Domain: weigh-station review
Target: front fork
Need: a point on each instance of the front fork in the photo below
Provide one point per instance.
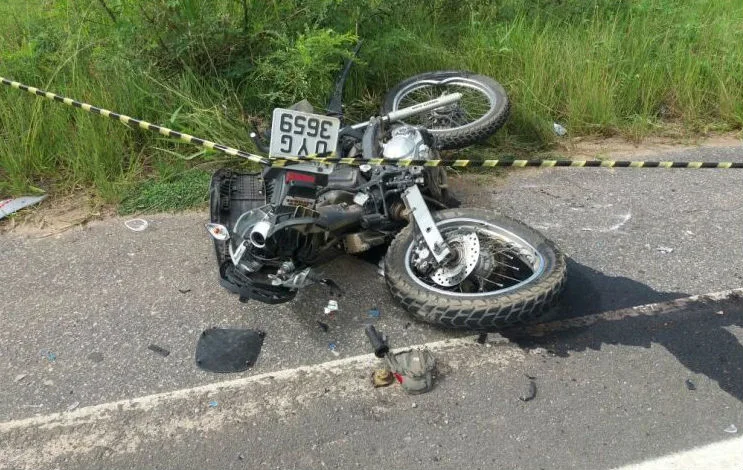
(423, 219)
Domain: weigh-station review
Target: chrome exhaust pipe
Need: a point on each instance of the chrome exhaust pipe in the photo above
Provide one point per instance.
(260, 232)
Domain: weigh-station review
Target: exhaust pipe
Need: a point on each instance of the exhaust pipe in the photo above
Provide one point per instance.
(259, 234)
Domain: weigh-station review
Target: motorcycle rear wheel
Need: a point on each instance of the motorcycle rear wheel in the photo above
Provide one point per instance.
(482, 110)
(519, 274)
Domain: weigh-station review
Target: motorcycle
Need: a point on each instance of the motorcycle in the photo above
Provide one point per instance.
(450, 266)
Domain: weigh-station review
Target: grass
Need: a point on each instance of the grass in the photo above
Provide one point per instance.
(214, 68)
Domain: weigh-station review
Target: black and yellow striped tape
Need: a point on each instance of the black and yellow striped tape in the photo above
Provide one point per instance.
(540, 163)
(135, 122)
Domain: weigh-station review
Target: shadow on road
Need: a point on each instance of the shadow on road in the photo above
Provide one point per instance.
(697, 334)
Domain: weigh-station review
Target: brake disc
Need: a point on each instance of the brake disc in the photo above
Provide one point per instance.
(467, 249)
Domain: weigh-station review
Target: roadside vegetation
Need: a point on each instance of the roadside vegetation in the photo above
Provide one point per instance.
(215, 68)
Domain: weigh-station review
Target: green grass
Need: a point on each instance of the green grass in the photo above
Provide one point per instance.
(215, 67)
(187, 190)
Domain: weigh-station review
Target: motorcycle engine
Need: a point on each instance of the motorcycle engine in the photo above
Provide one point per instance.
(407, 142)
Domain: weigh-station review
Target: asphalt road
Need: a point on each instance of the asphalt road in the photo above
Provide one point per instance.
(79, 311)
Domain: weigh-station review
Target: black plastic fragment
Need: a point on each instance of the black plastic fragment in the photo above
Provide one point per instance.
(161, 351)
(224, 350)
(482, 338)
(690, 385)
(323, 326)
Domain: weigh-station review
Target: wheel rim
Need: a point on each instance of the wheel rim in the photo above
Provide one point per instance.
(509, 251)
(477, 101)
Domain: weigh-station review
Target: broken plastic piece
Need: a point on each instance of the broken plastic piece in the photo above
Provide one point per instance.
(228, 350)
(73, 406)
(161, 351)
(10, 206)
(331, 307)
(213, 404)
(531, 393)
(690, 385)
(137, 225)
(374, 312)
(559, 129)
(665, 249)
(731, 429)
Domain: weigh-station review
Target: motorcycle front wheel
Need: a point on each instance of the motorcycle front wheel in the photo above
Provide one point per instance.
(482, 110)
(502, 272)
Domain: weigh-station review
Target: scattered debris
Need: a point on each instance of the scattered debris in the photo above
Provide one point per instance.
(665, 249)
(184, 291)
(50, 356)
(241, 457)
(19, 377)
(48, 383)
(95, 357)
(406, 326)
(690, 385)
(719, 312)
(332, 307)
(559, 129)
(161, 351)
(323, 326)
(587, 229)
(226, 350)
(482, 338)
(531, 393)
(9, 206)
(374, 312)
(382, 378)
(380, 267)
(731, 429)
(73, 406)
(213, 404)
(414, 405)
(413, 368)
(334, 349)
(530, 377)
(137, 225)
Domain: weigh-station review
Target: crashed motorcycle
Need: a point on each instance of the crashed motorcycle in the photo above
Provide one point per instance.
(447, 265)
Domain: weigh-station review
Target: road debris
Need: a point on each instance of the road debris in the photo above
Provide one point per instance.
(19, 377)
(323, 326)
(137, 225)
(732, 429)
(719, 312)
(333, 349)
(373, 312)
(49, 355)
(413, 368)
(690, 385)
(482, 338)
(382, 378)
(531, 392)
(184, 291)
(213, 404)
(559, 130)
(10, 206)
(665, 249)
(227, 350)
(161, 351)
(332, 307)
(73, 406)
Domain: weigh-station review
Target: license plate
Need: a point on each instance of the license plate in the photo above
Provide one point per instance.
(298, 134)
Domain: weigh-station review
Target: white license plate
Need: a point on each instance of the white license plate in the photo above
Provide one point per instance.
(298, 134)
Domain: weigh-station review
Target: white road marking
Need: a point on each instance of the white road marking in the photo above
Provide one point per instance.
(149, 402)
(174, 413)
(723, 455)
